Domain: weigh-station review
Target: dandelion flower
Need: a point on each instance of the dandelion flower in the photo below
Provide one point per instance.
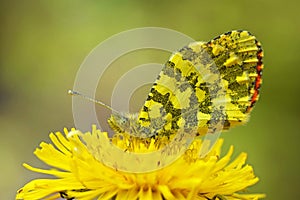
(79, 175)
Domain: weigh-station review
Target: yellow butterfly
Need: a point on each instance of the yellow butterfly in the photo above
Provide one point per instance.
(203, 87)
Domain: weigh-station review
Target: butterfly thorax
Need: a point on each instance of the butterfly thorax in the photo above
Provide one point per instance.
(128, 123)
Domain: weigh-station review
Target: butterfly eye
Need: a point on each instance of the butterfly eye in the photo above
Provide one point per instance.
(123, 120)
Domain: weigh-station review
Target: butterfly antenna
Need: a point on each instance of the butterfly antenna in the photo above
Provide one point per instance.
(75, 93)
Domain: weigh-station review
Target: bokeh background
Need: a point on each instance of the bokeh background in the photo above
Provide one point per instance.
(43, 43)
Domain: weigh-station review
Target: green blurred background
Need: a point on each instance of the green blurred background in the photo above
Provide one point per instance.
(43, 44)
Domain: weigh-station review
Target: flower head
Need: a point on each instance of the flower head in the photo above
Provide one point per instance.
(80, 175)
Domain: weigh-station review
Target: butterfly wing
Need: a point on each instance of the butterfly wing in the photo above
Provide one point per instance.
(205, 86)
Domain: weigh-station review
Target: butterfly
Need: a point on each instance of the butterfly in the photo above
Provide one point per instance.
(205, 87)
